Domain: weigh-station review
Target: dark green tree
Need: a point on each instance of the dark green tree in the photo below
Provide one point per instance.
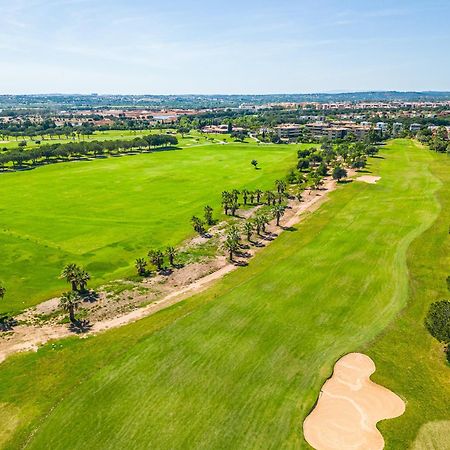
(70, 302)
(156, 258)
(171, 253)
(141, 266)
(339, 173)
(208, 215)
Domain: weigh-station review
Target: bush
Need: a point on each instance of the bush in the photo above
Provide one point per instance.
(438, 321)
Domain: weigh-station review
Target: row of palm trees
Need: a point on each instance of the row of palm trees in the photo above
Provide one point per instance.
(157, 258)
(231, 203)
(78, 279)
(256, 224)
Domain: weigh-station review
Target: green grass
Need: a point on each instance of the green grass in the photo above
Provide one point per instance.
(192, 138)
(241, 365)
(410, 361)
(103, 214)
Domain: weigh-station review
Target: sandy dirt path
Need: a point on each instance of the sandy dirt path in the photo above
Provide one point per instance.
(349, 406)
(368, 179)
(30, 337)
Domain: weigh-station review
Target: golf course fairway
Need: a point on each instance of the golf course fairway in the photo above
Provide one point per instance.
(104, 214)
(240, 366)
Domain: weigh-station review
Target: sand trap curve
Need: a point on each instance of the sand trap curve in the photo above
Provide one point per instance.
(349, 407)
(368, 179)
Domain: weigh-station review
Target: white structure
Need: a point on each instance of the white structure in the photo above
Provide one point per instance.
(397, 128)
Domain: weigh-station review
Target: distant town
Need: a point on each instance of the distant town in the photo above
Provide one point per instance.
(348, 116)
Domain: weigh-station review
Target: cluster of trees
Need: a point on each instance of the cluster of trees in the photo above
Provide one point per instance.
(157, 258)
(78, 279)
(47, 129)
(200, 225)
(438, 323)
(231, 200)
(256, 224)
(438, 141)
(319, 160)
(56, 152)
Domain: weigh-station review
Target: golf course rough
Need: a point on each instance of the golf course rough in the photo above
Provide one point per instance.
(241, 365)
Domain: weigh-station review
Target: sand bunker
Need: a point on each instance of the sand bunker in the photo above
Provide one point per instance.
(349, 407)
(368, 179)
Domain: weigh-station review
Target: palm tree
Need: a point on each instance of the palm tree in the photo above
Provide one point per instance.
(171, 253)
(248, 229)
(269, 196)
(265, 219)
(2, 291)
(245, 194)
(258, 194)
(141, 266)
(226, 201)
(280, 185)
(82, 277)
(234, 207)
(231, 245)
(70, 301)
(233, 231)
(254, 163)
(252, 197)
(259, 224)
(208, 215)
(235, 195)
(198, 225)
(70, 274)
(278, 212)
(156, 258)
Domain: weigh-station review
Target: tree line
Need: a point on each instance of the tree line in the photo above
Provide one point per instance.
(56, 152)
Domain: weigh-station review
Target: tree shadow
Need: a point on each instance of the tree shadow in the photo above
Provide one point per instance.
(258, 244)
(80, 326)
(243, 254)
(240, 263)
(290, 229)
(166, 271)
(90, 296)
(345, 181)
(7, 323)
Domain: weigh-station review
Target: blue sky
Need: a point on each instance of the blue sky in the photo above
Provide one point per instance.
(200, 46)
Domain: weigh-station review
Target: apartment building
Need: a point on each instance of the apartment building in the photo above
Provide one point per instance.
(288, 130)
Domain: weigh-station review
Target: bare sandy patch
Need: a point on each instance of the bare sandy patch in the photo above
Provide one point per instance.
(368, 179)
(349, 407)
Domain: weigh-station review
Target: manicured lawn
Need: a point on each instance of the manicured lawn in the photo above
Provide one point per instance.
(410, 361)
(241, 365)
(103, 214)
